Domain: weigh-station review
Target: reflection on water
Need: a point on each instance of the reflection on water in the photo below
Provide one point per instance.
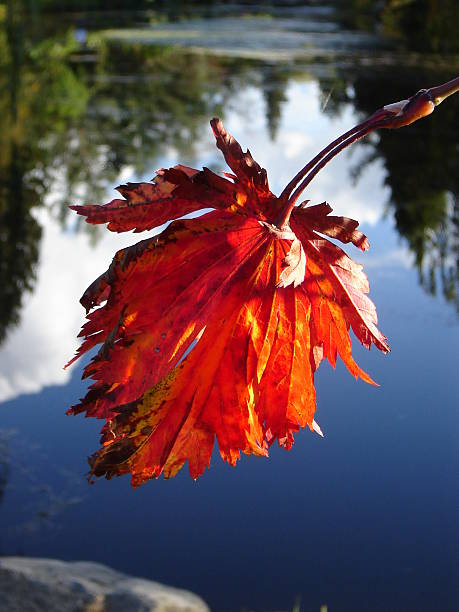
(39, 505)
(76, 111)
(421, 165)
(81, 114)
(40, 96)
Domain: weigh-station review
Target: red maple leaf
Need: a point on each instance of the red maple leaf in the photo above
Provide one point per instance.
(215, 327)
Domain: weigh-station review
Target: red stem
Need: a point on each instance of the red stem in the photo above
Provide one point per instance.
(394, 115)
(297, 178)
(327, 154)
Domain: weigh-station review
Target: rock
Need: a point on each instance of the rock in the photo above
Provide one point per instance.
(49, 585)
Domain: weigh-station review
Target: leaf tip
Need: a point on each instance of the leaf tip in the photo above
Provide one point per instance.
(216, 125)
(317, 429)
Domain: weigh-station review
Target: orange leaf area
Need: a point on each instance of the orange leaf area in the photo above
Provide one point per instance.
(213, 329)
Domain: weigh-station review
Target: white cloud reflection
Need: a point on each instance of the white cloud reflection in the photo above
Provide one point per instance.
(34, 353)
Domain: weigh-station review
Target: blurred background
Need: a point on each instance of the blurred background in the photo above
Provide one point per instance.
(95, 93)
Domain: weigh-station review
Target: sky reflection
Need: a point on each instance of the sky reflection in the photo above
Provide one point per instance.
(364, 519)
(69, 261)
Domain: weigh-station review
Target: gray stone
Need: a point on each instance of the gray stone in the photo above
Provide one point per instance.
(49, 585)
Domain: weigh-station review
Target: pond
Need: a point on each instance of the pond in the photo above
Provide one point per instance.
(363, 519)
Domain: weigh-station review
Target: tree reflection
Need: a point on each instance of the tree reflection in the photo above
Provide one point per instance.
(273, 85)
(68, 127)
(144, 100)
(417, 25)
(40, 94)
(424, 24)
(73, 117)
(421, 164)
(19, 232)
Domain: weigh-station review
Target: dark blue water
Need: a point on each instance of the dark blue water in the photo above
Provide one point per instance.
(364, 519)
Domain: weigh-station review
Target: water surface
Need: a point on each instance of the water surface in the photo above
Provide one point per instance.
(365, 518)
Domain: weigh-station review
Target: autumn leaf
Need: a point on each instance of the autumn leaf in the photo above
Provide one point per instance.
(214, 329)
(259, 305)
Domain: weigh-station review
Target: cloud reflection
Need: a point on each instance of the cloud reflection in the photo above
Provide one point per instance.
(35, 352)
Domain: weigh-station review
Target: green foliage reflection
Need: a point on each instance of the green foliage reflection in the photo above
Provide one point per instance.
(73, 115)
(421, 164)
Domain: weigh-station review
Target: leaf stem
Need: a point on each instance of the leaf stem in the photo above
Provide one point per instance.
(394, 115)
(441, 92)
(297, 178)
(322, 159)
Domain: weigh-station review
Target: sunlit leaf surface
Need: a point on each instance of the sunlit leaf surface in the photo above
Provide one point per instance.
(214, 328)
